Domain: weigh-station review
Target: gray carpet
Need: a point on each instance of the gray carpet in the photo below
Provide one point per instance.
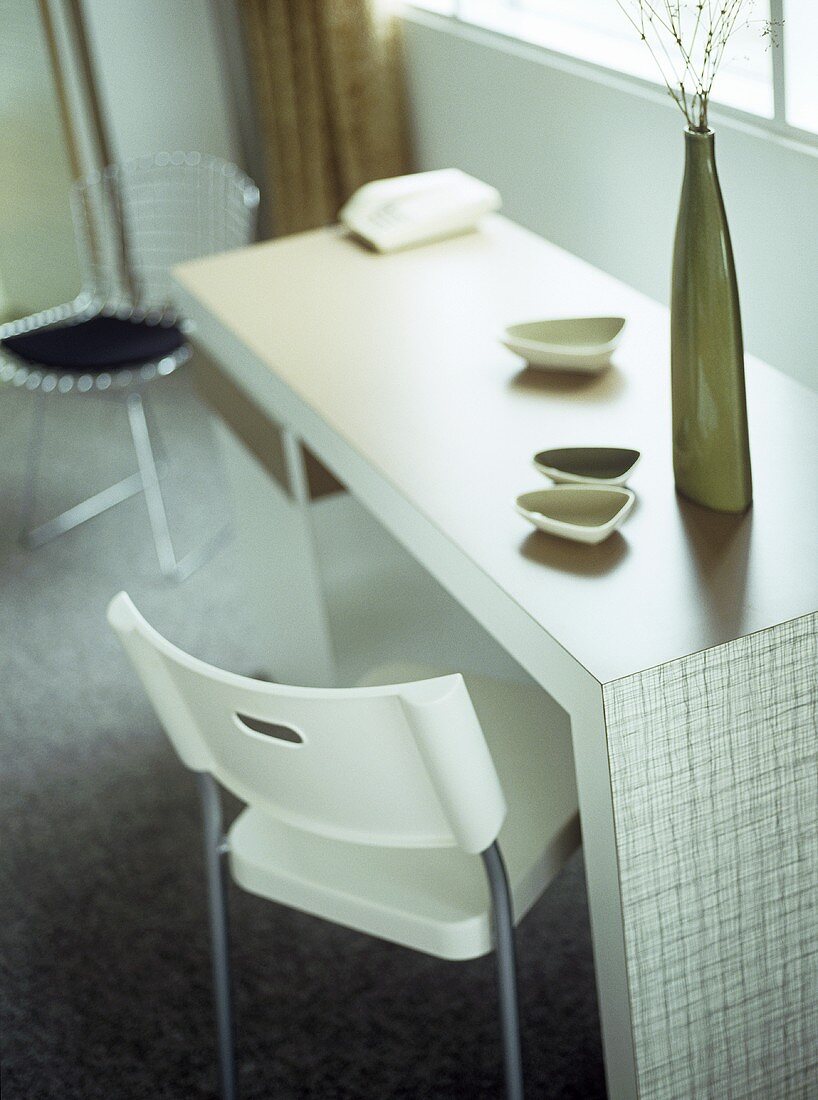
(105, 973)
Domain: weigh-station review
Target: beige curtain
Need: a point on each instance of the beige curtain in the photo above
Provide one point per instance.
(327, 80)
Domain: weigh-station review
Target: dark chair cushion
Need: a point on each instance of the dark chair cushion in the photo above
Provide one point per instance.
(99, 344)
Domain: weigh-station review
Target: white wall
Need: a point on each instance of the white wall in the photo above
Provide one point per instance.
(160, 74)
(596, 167)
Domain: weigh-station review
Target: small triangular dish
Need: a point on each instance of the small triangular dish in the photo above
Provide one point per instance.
(583, 513)
(587, 465)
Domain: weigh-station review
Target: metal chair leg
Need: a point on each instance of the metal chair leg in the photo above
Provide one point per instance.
(506, 970)
(80, 513)
(171, 566)
(157, 442)
(32, 537)
(215, 848)
(150, 482)
(35, 447)
(146, 480)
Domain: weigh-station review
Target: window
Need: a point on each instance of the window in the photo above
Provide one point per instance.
(779, 84)
(801, 68)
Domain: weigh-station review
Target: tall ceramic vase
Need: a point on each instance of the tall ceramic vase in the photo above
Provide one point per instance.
(711, 452)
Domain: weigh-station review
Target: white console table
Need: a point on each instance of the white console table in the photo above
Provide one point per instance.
(683, 648)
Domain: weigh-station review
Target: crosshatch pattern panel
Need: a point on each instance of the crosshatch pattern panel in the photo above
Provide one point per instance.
(714, 770)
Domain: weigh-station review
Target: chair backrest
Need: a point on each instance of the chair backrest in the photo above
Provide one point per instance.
(135, 220)
(404, 765)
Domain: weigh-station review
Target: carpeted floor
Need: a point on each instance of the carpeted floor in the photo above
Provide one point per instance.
(105, 971)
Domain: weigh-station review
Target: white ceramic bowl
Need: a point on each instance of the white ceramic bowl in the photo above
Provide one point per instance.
(587, 465)
(584, 513)
(566, 344)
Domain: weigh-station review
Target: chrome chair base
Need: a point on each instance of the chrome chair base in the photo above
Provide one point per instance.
(80, 513)
(146, 480)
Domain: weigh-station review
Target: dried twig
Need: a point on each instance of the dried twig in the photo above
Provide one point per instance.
(687, 39)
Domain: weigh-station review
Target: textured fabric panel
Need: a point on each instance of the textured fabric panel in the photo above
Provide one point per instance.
(714, 770)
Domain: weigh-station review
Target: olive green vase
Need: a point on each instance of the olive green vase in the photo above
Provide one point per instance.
(711, 450)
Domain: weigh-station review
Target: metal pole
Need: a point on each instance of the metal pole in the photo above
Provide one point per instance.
(215, 847)
(35, 447)
(506, 969)
(150, 481)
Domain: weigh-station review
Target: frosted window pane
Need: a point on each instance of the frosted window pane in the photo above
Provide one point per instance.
(800, 35)
(598, 31)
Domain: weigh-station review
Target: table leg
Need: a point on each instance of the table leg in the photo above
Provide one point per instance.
(588, 731)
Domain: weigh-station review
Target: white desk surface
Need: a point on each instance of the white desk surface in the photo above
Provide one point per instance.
(399, 356)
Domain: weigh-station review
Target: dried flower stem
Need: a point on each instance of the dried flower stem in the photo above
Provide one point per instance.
(687, 39)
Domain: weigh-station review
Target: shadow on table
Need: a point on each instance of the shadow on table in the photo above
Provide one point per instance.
(588, 387)
(575, 557)
(721, 551)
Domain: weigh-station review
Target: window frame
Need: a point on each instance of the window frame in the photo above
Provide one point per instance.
(775, 126)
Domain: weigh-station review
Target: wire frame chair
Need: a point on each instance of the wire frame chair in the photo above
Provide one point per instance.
(133, 222)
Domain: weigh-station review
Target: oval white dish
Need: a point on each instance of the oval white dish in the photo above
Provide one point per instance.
(588, 465)
(583, 513)
(566, 344)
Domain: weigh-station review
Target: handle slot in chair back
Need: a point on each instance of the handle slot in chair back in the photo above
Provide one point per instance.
(400, 766)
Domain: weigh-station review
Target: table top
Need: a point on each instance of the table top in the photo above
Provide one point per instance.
(400, 356)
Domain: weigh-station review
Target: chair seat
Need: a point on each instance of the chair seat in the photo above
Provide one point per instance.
(433, 900)
(98, 344)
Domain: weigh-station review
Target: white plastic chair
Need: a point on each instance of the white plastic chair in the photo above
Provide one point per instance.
(367, 805)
